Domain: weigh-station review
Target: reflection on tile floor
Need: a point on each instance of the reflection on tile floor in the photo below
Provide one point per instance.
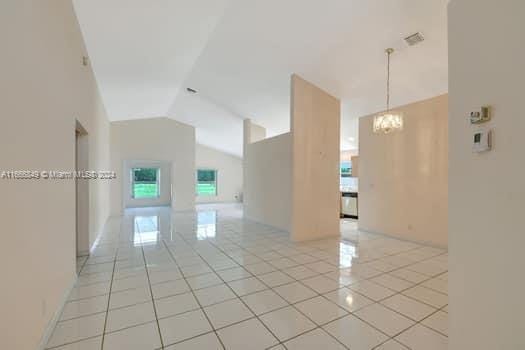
(211, 280)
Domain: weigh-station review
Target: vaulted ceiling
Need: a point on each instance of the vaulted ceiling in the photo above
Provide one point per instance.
(239, 55)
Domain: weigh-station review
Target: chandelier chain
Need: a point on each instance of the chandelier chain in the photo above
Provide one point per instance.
(389, 52)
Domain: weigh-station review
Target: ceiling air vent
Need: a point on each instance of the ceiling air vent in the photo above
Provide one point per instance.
(414, 39)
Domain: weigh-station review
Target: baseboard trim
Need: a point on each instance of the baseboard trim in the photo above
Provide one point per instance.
(56, 317)
(420, 242)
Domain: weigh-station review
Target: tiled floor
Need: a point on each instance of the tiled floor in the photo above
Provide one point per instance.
(211, 280)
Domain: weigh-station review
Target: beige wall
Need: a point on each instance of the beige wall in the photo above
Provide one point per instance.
(268, 174)
(229, 174)
(44, 88)
(160, 140)
(403, 182)
(315, 125)
(487, 192)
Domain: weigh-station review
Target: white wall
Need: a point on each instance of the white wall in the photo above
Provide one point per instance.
(229, 174)
(160, 140)
(315, 124)
(268, 175)
(403, 176)
(44, 88)
(486, 191)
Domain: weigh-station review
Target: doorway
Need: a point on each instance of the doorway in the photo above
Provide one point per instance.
(81, 196)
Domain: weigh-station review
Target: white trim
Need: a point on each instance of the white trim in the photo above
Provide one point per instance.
(56, 317)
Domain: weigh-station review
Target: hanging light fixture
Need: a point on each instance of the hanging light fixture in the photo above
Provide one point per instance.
(388, 121)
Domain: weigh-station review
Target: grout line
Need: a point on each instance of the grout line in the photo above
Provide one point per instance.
(201, 308)
(109, 299)
(151, 294)
(238, 297)
(233, 240)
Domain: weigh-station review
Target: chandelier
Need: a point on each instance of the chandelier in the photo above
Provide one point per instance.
(388, 121)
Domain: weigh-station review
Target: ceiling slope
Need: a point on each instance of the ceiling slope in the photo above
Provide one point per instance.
(240, 54)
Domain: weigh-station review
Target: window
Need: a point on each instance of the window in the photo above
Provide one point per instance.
(346, 169)
(206, 182)
(144, 183)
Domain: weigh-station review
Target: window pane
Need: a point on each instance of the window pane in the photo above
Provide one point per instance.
(145, 182)
(206, 182)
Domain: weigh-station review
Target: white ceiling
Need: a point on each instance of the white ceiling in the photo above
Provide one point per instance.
(239, 55)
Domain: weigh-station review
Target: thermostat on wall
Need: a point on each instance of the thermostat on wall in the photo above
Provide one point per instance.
(482, 141)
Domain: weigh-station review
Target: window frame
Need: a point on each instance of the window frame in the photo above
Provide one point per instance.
(216, 171)
(132, 182)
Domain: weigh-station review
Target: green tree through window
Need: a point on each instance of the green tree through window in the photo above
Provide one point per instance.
(206, 182)
(145, 182)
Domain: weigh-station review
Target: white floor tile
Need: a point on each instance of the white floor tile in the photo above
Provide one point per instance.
(274, 279)
(259, 268)
(427, 296)
(283, 263)
(321, 267)
(372, 290)
(195, 270)
(314, 340)
(184, 326)
(392, 282)
(87, 344)
(409, 275)
(143, 337)
(438, 322)
(344, 277)
(392, 345)
(84, 307)
(321, 284)
(175, 305)
(77, 329)
(213, 295)
(187, 267)
(320, 310)
(129, 283)
(386, 320)
(348, 299)
(227, 313)
(286, 323)
(247, 286)
(94, 278)
(294, 292)
(300, 272)
(428, 268)
(129, 316)
(170, 288)
(422, 338)
(250, 334)
(204, 342)
(264, 301)
(437, 284)
(90, 290)
(129, 297)
(203, 281)
(409, 307)
(355, 334)
(233, 274)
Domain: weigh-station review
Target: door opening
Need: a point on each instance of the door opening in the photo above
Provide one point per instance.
(81, 196)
